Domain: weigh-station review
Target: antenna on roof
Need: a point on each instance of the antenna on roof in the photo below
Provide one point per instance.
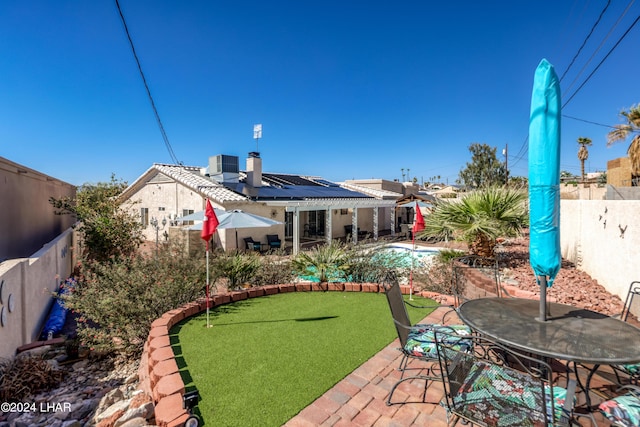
(257, 134)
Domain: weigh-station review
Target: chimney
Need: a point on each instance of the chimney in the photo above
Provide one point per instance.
(254, 170)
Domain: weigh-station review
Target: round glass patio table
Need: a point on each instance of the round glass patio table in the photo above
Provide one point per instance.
(570, 333)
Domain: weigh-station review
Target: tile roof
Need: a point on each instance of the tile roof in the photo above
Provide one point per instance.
(190, 177)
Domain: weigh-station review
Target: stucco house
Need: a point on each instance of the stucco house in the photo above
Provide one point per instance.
(308, 207)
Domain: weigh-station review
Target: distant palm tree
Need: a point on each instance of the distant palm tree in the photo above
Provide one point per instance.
(583, 153)
(621, 132)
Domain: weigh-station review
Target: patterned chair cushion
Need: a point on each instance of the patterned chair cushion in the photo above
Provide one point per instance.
(623, 410)
(504, 397)
(632, 369)
(421, 341)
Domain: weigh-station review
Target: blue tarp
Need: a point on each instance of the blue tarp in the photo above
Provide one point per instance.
(544, 173)
(58, 313)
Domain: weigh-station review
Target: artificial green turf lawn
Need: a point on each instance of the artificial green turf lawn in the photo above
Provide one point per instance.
(265, 359)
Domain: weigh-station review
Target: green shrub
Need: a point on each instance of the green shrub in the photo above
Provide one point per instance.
(108, 231)
(325, 262)
(274, 270)
(238, 268)
(372, 266)
(118, 301)
(438, 277)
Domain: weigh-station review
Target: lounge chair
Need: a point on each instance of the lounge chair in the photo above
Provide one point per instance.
(274, 241)
(348, 230)
(252, 245)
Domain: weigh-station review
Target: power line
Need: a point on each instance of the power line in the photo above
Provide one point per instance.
(146, 86)
(622, 15)
(521, 152)
(584, 42)
(602, 61)
(588, 121)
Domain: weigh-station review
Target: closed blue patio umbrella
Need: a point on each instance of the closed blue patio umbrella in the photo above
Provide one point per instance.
(544, 179)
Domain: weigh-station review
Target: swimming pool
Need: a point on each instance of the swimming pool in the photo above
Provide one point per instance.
(392, 256)
(403, 255)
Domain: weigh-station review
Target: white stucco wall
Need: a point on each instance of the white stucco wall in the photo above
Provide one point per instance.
(591, 237)
(31, 282)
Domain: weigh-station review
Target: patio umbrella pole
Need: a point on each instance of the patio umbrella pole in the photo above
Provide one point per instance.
(543, 298)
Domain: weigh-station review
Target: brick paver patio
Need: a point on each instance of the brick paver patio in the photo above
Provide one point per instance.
(360, 398)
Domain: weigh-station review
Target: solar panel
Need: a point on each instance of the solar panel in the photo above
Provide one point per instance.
(304, 192)
(325, 182)
(287, 179)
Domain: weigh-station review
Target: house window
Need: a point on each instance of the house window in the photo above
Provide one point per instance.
(144, 216)
(186, 212)
(161, 208)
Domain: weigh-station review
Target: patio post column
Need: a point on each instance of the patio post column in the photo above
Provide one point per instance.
(393, 222)
(327, 226)
(296, 231)
(354, 225)
(375, 222)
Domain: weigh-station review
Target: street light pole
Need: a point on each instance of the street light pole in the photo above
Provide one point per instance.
(156, 226)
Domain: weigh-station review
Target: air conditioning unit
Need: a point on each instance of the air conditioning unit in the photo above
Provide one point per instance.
(224, 168)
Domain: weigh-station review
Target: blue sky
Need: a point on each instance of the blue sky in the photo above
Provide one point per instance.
(343, 89)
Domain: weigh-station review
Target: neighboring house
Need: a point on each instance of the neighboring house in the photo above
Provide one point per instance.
(310, 208)
(448, 192)
(622, 184)
(619, 173)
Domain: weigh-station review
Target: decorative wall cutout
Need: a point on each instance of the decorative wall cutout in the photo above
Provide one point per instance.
(11, 303)
(622, 230)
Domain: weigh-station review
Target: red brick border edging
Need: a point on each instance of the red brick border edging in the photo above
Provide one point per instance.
(158, 373)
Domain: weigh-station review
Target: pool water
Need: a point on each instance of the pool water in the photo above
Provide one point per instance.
(398, 255)
(405, 256)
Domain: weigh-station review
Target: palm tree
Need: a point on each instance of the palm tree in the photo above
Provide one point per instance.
(326, 262)
(583, 153)
(621, 132)
(480, 218)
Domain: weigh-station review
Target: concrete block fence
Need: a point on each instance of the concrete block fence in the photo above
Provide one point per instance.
(159, 374)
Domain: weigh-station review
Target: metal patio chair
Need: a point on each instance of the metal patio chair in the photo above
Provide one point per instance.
(417, 342)
(489, 384)
(623, 410)
(252, 244)
(274, 241)
(631, 372)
